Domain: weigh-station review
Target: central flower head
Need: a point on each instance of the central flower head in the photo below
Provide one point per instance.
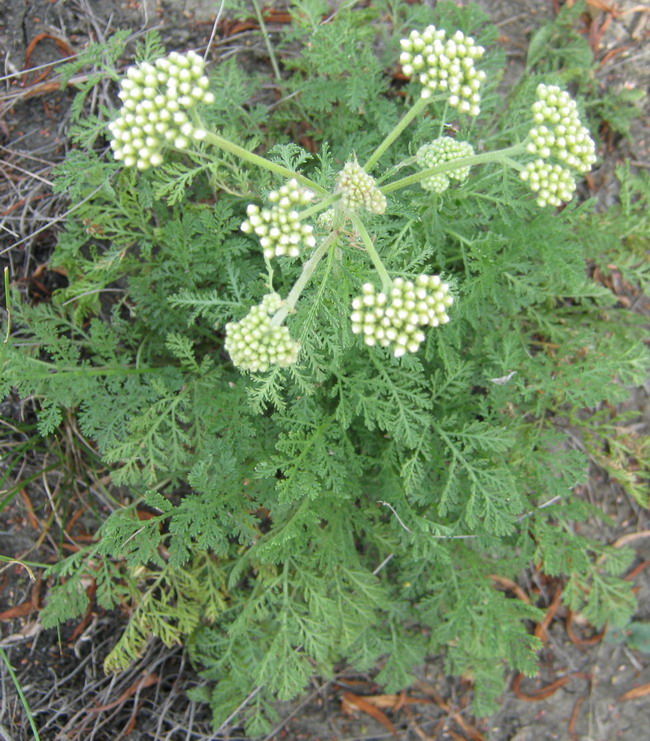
(359, 189)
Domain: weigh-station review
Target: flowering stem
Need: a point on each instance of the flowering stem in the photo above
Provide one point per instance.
(317, 207)
(500, 155)
(386, 282)
(513, 163)
(414, 111)
(443, 118)
(255, 159)
(307, 271)
(399, 166)
(269, 272)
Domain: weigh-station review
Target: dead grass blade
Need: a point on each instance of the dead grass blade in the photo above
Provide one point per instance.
(350, 702)
(548, 690)
(146, 681)
(472, 733)
(636, 693)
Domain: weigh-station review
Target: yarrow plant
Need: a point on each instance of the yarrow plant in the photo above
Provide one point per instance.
(335, 375)
(159, 100)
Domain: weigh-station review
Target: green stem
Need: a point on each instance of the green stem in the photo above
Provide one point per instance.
(255, 159)
(267, 40)
(415, 110)
(51, 370)
(21, 694)
(399, 166)
(318, 207)
(501, 155)
(26, 564)
(386, 282)
(7, 303)
(443, 118)
(269, 272)
(307, 271)
(513, 163)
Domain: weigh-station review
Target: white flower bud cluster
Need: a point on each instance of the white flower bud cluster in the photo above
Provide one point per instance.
(255, 345)
(359, 190)
(446, 65)
(444, 149)
(553, 184)
(398, 319)
(156, 99)
(559, 132)
(279, 228)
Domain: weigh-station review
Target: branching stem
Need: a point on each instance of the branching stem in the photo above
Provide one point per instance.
(500, 155)
(386, 282)
(412, 113)
(307, 271)
(255, 159)
(318, 207)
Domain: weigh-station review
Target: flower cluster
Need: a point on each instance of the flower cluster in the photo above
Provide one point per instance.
(279, 228)
(552, 183)
(398, 319)
(444, 149)
(557, 135)
(559, 132)
(254, 344)
(156, 99)
(446, 65)
(359, 190)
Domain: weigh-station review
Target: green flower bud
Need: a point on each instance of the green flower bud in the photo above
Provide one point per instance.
(359, 189)
(444, 149)
(558, 131)
(552, 184)
(254, 344)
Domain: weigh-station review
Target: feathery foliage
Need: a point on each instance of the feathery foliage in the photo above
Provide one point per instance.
(354, 505)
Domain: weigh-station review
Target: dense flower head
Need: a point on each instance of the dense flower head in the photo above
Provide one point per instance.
(156, 99)
(254, 344)
(559, 132)
(397, 319)
(359, 189)
(443, 149)
(553, 184)
(445, 65)
(279, 228)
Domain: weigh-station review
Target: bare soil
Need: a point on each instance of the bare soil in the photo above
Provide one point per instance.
(581, 691)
